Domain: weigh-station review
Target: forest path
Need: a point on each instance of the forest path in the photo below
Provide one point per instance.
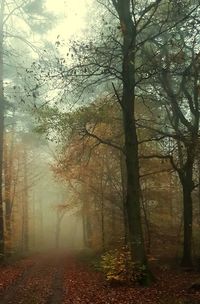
(63, 279)
(39, 284)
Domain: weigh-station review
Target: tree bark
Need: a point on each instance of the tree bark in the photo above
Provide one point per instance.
(124, 184)
(185, 173)
(188, 218)
(133, 192)
(187, 186)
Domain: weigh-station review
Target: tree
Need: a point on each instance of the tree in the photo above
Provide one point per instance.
(176, 66)
(16, 11)
(60, 213)
(123, 9)
(114, 61)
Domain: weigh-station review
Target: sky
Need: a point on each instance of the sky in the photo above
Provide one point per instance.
(73, 17)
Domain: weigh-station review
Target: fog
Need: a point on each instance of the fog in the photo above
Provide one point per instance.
(37, 197)
(46, 196)
(99, 135)
(39, 211)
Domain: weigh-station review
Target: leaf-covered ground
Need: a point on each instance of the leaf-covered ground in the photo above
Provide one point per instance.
(9, 274)
(82, 285)
(60, 279)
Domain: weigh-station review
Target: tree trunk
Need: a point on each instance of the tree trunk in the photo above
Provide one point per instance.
(147, 223)
(133, 191)
(86, 230)
(7, 198)
(1, 133)
(131, 142)
(25, 202)
(124, 184)
(41, 223)
(102, 226)
(33, 216)
(8, 164)
(113, 225)
(124, 10)
(188, 218)
(57, 240)
(102, 210)
(186, 179)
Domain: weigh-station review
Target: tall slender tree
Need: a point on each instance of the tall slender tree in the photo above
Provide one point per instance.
(176, 67)
(124, 11)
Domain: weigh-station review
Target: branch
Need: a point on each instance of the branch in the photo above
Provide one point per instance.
(163, 133)
(155, 172)
(115, 4)
(173, 98)
(170, 157)
(34, 48)
(11, 12)
(151, 139)
(162, 31)
(154, 6)
(106, 6)
(104, 141)
(117, 95)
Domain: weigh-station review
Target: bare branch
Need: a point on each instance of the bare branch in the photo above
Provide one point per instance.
(103, 141)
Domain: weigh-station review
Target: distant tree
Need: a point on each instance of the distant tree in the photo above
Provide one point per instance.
(93, 170)
(9, 180)
(26, 11)
(61, 210)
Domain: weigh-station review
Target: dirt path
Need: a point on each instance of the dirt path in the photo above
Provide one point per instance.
(56, 296)
(62, 279)
(41, 284)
